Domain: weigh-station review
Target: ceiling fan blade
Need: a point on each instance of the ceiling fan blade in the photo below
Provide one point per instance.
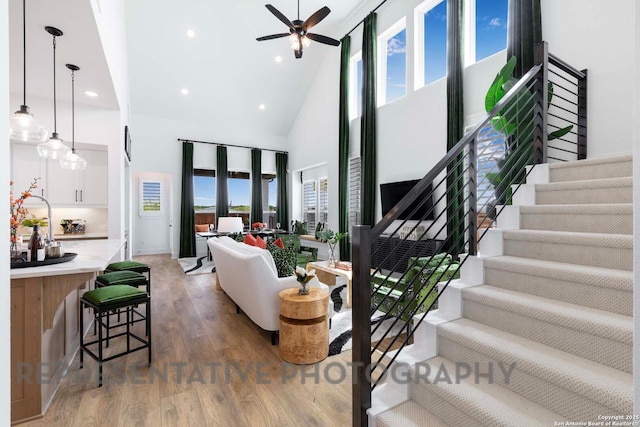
(323, 39)
(298, 53)
(273, 36)
(280, 16)
(315, 18)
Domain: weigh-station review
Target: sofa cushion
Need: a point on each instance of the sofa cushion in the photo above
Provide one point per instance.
(285, 259)
(202, 228)
(261, 243)
(249, 240)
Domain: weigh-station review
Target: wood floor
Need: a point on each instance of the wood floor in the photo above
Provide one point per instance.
(196, 332)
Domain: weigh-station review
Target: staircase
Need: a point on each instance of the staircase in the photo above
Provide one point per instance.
(549, 297)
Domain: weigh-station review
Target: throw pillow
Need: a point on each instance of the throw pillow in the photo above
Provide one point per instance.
(250, 240)
(202, 228)
(261, 243)
(284, 259)
(278, 243)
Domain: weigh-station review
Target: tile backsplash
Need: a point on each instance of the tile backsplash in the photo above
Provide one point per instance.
(97, 218)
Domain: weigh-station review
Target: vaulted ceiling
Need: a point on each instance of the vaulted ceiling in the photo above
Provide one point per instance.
(227, 72)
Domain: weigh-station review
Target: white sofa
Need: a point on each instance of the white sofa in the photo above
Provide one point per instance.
(249, 277)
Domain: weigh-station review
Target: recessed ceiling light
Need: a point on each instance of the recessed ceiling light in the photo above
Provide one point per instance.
(184, 91)
(91, 93)
(191, 34)
(278, 59)
(262, 106)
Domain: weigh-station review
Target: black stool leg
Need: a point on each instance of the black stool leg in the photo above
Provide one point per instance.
(81, 334)
(100, 351)
(129, 330)
(108, 328)
(149, 329)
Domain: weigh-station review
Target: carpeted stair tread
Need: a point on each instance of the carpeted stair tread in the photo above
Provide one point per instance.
(589, 191)
(605, 385)
(626, 181)
(598, 288)
(604, 218)
(594, 276)
(485, 404)
(592, 249)
(408, 414)
(608, 167)
(595, 322)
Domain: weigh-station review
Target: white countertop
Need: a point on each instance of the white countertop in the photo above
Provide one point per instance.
(85, 236)
(93, 256)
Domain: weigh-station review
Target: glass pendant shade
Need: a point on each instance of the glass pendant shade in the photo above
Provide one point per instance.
(23, 127)
(53, 149)
(73, 162)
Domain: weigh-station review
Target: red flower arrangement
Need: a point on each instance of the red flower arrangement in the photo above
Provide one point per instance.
(18, 212)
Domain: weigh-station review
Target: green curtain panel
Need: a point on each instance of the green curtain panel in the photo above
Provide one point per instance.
(368, 122)
(187, 213)
(222, 188)
(524, 31)
(256, 186)
(343, 149)
(455, 124)
(282, 210)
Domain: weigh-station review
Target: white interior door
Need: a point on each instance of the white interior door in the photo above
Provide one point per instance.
(152, 217)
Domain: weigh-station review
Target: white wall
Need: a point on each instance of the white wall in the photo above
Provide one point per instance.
(156, 148)
(599, 38)
(5, 294)
(636, 214)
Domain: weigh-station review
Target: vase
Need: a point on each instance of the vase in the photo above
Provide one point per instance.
(16, 253)
(332, 255)
(304, 288)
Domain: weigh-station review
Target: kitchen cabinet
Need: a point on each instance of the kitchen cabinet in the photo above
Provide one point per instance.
(87, 187)
(26, 165)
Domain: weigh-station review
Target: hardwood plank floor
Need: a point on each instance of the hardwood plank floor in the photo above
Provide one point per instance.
(211, 367)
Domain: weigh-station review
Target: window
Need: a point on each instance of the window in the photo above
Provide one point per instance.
(487, 30)
(392, 71)
(355, 86)
(323, 200)
(491, 147)
(204, 196)
(270, 198)
(431, 42)
(151, 198)
(354, 192)
(239, 195)
(309, 203)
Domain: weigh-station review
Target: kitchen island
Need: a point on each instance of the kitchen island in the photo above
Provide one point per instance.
(45, 322)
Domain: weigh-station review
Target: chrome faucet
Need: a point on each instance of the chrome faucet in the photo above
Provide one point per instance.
(51, 238)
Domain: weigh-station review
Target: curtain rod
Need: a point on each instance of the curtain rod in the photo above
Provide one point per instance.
(358, 24)
(231, 145)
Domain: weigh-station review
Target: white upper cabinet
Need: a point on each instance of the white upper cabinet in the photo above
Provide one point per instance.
(25, 166)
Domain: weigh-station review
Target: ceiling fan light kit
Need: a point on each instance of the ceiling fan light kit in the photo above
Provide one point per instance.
(54, 148)
(299, 35)
(22, 126)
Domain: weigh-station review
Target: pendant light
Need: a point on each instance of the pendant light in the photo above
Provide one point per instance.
(54, 148)
(72, 160)
(22, 126)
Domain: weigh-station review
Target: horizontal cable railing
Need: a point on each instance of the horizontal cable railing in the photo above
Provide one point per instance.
(401, 267)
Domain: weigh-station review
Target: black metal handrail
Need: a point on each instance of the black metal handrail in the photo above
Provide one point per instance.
(395, 263)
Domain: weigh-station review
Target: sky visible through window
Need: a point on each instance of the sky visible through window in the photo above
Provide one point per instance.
(204, 189)
(491, 27)
(397, 66)
(435, 43)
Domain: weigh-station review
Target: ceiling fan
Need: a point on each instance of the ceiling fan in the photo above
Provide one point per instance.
(299, 35)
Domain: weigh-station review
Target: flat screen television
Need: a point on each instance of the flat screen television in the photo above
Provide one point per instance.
(392, 192)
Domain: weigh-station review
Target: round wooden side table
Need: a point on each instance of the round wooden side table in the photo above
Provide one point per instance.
(304, 327)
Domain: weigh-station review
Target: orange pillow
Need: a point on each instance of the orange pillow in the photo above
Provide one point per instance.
(261, 243)
(250, 240)
(202, 228)
(279, 243)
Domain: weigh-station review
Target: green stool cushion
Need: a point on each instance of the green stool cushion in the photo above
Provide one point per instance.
(128, 265)
(130, 278)
(113, 294)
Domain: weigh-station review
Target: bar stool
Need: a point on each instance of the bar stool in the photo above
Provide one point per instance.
(136, 266)
(125, 277)
(103, 301)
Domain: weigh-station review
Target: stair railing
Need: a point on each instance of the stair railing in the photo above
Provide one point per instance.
(394, 271)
